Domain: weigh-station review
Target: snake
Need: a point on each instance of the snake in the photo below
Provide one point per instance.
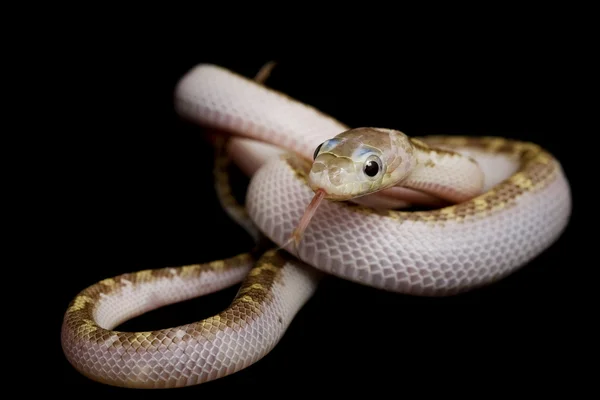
(491, 205)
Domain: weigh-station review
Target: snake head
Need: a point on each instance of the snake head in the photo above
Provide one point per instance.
(360, 161)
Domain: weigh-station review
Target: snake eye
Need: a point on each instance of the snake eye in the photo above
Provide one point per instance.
(372, 166)
(317, 151)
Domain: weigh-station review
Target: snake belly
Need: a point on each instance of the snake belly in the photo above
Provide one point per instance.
(524, 208)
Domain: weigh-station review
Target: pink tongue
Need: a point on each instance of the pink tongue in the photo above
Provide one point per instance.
(305, 220)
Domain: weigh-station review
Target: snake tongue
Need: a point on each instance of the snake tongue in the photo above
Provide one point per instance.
(305, 220)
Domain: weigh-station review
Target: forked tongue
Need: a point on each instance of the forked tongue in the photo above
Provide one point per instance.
(305, 220)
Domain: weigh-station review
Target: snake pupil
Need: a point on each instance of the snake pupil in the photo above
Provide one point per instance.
(371, 168)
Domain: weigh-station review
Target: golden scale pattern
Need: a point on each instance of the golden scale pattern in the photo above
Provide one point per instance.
(170, 356)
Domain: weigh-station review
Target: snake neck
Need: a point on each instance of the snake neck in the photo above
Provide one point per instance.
(444, 174)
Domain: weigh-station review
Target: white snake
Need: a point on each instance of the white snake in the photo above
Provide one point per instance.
(523, 209)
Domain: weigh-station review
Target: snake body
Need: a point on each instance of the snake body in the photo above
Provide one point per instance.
(524, 206)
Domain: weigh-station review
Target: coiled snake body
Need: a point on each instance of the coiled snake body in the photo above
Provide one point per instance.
(523, 208)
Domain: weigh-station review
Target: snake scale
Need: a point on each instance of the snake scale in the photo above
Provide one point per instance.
(523, 207)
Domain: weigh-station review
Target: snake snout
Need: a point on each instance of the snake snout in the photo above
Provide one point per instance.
(331, 173)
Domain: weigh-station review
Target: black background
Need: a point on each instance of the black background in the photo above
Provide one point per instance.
(139, 194)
